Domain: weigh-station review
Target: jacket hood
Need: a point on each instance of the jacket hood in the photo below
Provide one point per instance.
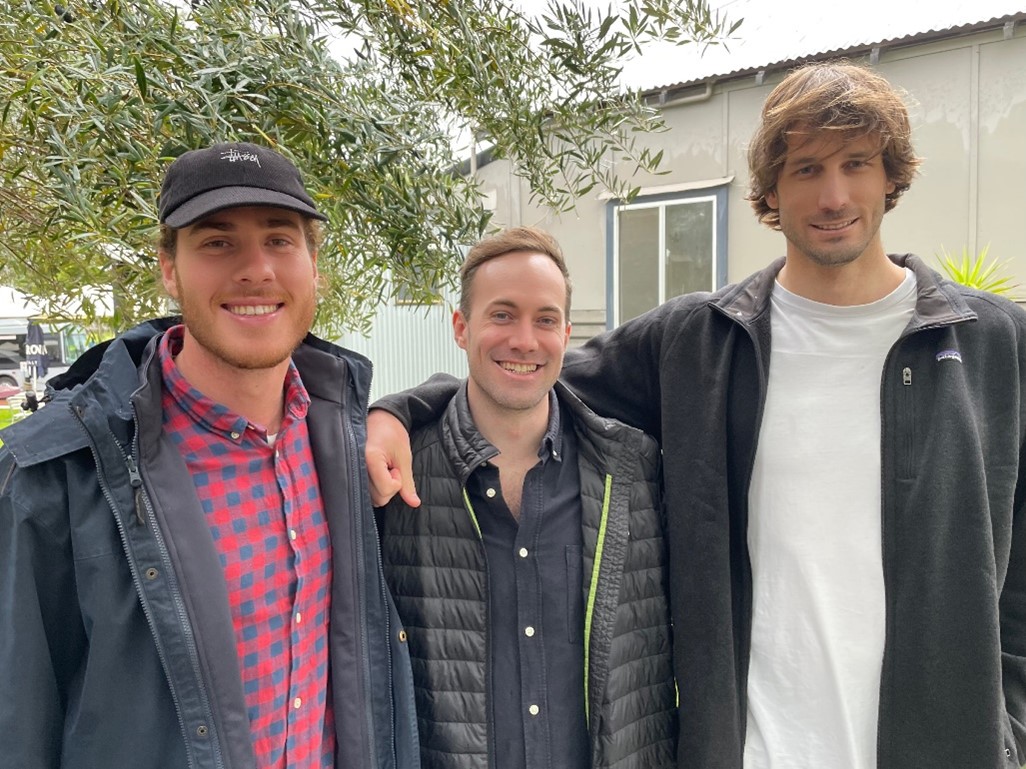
(134, 341)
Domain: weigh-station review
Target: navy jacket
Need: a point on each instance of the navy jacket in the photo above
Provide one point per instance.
(116, 642)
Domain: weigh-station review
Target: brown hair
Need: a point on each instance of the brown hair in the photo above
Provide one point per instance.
(513, 240)
(840, 97)
(167, 240)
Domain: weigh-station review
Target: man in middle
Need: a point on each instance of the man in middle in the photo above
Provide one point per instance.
(532, 580)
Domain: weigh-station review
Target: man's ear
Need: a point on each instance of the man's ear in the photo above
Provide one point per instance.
(459, 329)
(771, 199)
(167, 273)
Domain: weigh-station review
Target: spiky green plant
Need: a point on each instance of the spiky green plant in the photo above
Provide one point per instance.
(977, 271)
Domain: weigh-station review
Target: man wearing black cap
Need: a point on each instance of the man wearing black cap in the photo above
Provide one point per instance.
(186, 578)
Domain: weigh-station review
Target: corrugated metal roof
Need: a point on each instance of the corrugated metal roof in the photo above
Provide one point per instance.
(776, 32)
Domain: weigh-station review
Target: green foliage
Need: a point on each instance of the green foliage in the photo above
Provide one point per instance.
(96, 99)
(976, 271)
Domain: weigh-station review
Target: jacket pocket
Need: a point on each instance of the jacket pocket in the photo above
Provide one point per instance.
(1011, 748)
(574, 594)
(907, 467)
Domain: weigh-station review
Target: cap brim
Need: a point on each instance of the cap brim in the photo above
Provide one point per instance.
(211, 202)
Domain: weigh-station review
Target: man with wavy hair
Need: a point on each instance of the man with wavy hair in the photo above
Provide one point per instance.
(844, 469)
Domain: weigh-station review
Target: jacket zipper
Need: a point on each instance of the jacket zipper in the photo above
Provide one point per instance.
(183, 617)
(596, 569)
(907, 446)
(909, 435)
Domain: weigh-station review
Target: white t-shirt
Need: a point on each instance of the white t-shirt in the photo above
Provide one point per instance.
(814, 535)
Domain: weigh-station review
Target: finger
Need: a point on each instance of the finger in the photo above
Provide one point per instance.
(383, 483)
(408, 489)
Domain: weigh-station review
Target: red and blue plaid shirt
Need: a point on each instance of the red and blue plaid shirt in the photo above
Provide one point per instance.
(263, 505)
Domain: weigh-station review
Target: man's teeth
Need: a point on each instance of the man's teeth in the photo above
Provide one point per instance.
(519, 368)
(836, 226)
(253, 309)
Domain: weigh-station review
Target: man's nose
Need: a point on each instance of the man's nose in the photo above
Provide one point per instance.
(833, 191)
(256, 265)
(524, 337)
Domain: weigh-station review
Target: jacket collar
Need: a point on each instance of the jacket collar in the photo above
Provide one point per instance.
(124, 371)
(468, 449)
(472, 449)
(938, 301)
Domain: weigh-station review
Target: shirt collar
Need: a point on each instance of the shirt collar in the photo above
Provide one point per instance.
(215, 416)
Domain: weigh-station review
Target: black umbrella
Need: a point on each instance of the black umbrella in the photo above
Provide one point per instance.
(35, 349)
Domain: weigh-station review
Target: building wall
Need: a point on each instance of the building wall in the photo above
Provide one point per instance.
(968, 106)
(967, 98)
(408, 344)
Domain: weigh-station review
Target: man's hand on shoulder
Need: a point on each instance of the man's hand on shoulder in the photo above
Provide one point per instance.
(389, 460)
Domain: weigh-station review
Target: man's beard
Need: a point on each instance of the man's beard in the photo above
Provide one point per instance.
(260, 355)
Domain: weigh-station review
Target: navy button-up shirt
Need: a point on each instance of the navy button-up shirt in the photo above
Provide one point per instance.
(536, 607)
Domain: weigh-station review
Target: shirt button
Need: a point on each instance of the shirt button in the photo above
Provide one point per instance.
(523, 552)
(533, 710)
(490, 493)
(297, 703)
(529, 631)
(292, 534)
(299, 617)
(235, 435)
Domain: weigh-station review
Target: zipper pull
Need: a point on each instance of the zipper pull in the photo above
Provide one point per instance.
(906, 376)
(135, 479)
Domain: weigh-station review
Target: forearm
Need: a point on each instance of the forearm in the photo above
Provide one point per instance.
(617, 374)
(422, 404)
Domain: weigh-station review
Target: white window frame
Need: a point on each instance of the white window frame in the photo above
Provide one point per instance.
(660, 198)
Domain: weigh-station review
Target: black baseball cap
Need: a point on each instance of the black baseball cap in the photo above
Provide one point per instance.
(231, 175)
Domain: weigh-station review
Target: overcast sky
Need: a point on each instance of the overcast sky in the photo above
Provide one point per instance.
(775, 30)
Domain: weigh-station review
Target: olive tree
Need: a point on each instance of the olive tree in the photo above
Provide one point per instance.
(366, 96)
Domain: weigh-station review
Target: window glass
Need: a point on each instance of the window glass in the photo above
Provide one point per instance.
(665, 248)
(689, 247)
(638, 248)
